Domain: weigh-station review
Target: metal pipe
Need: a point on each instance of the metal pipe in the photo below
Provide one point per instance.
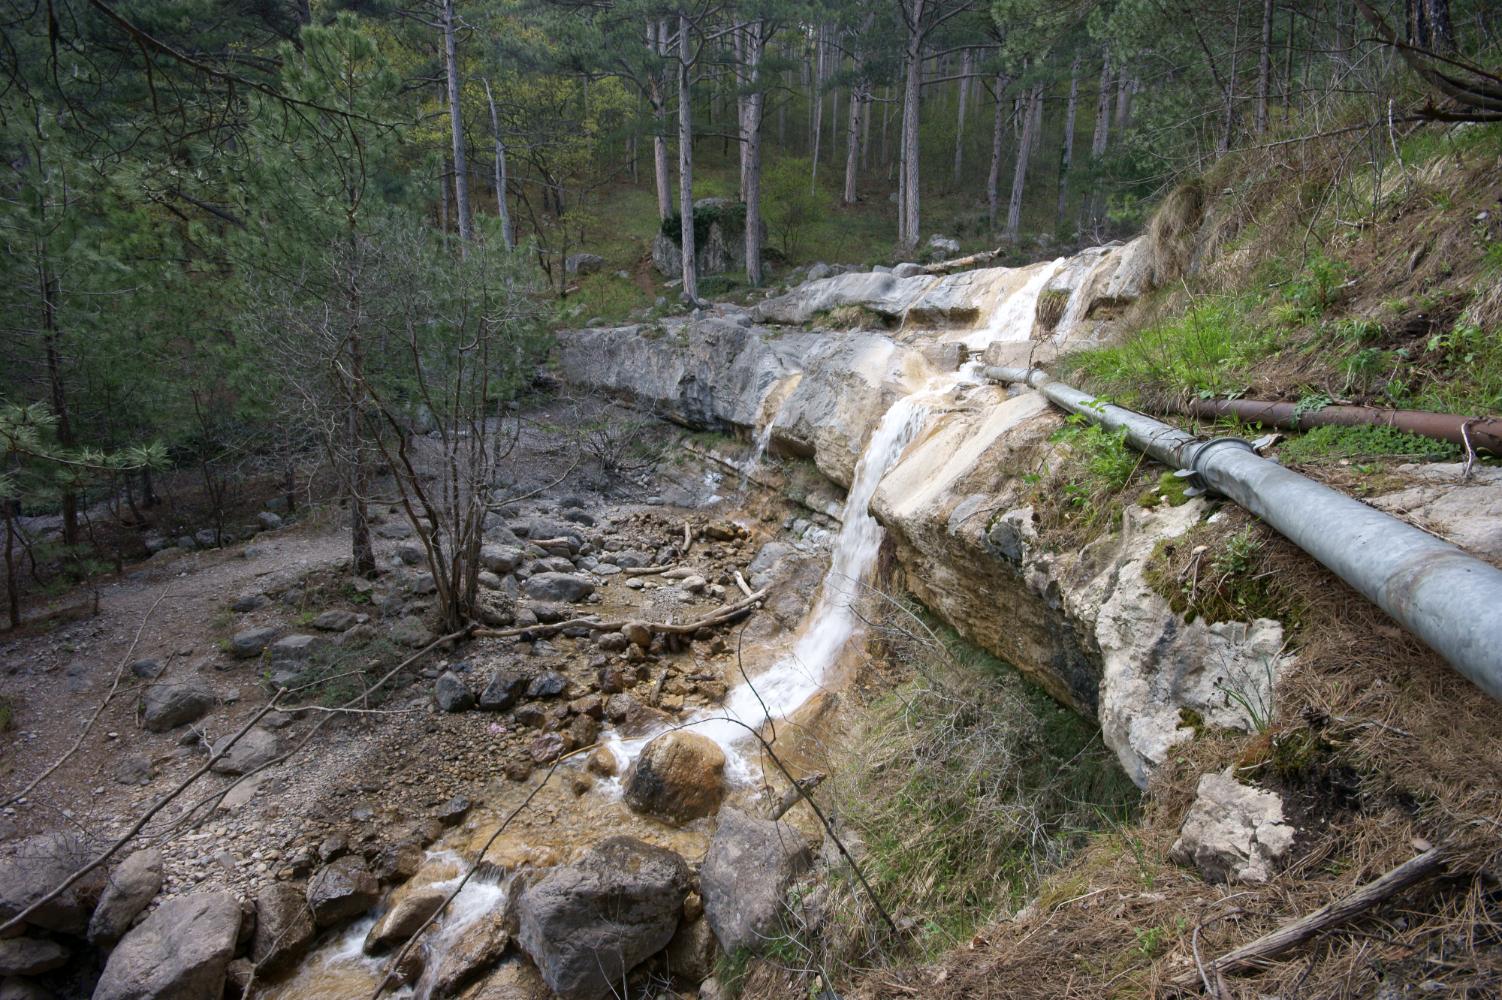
(1484, 433)
(1446, 597)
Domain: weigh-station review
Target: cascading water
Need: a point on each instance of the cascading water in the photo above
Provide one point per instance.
(789, 683)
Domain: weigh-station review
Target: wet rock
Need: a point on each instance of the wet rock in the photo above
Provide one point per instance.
(397, 862)
(403, 920)
(454, 810)
(745, 877)
(1233, 832)
(168, 704)
(638, 634)
(452, 694)
(252, 642)
(478, 948)
(603, 763)
(611, 642)
(341, 891)
(585, 925)
(546, 748)
(503, 689)
(179, 952)
(132, 885)
(257, 747)
(679, 777)
(566, 587)
(284, 928)
(24, 956)
(549, 684)
(33, 867)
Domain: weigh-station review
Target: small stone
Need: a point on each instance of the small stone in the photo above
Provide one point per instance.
(452, 694)
(147, 669)
(336, 620)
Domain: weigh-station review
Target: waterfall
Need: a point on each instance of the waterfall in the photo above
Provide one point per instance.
(780, 690)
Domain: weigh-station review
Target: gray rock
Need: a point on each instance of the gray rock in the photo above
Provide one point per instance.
(557, 587)
(252, 641)
(336, 620)
(402, 921)
(452, 694)
(24, 989)
(500, 559)
(818, 271)
(258, 746)
(411, 553)
(341, 891)
(24, 956)
(504, 688)
(394, 529)
(745, 878)
(585, 925)
(268, 521)
(168, 704)
(478, 948)
(549, 684)
(284, 928)
(148, 670)
(179, 952)
(132, 885)
(410, 632)
(207, 538)
(943, 244)
(583, 263)
(679, 776)
(907, 270)
(134, 769)
(1233, 832)
(249, 602)
(294, 648)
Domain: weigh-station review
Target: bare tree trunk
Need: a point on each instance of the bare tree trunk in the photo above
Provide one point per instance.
(1066, 154)
(657, 35)
(754, 44)
(508, 235)
(993, 178)
(1437, 20)
(686, 164)
(911, 95)
(1024, 152)
(966, 68)
(866, 129)
(816, 108)
(852, 140)
(456, 123)
(1264, 65)
(1228, 124)
(1099, 140)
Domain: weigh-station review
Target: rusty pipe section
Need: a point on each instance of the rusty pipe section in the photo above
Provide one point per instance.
(1445, 596)
(1485, 433)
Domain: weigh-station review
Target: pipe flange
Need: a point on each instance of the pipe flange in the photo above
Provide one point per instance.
(1197, 484)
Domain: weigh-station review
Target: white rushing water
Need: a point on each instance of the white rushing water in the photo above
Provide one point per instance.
(780, 690)
(1012, 319)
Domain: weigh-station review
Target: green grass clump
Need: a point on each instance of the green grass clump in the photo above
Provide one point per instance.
(1470, 375)
(1209, 350)
(1329, 444)
(1218, 576)
(966, 785)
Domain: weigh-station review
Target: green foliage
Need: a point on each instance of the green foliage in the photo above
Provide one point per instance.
(1215, 576)
(1469, 372)
(731, 219)
(1330, 443)
(1209, 351)
(790, 206)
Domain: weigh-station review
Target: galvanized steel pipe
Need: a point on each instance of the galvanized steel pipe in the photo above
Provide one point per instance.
(1448, 598)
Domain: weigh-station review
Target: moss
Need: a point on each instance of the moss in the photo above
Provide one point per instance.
(1217, 575)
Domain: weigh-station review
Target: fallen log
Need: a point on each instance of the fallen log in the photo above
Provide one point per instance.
(720, 617)
(960, 263)
(1428, 865)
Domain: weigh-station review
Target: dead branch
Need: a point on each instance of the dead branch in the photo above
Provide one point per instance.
(83, 734)
(790, 798)
(1410, 873)
(740, 581)
(647, 570)
(720, 617)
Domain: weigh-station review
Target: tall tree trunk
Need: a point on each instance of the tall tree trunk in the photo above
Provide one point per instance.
(456, 123)
(1228, 124)
(508, 235)
(912, 92)
(852, 139)
(1437, 21)
(866, 127)
(686, 164)
(816, 108)
(1024, 152)
(362, 555)
(47, 286)
(754, 45)
(1098, 142)
(998, 128)
(657, 37)
(966, 67)
(1264, 66)
(1288, 70)
(1066, 153)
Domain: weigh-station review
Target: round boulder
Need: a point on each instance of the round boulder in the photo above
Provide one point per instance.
(679, 777)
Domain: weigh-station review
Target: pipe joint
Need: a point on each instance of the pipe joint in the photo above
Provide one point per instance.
(1195, 472)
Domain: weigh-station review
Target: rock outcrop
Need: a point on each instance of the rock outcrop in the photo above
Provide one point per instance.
(587, 924)
(1085, 623)
(1233, 832)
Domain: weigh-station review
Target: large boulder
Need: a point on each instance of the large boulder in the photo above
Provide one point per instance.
(257, 747)
(505, 686)
(587, 924)
(478, 947)
(679, 777)
(745, 878)
(284, 928)
(566, 587)
(132, 885)
(169, 704)
(342, 890)
(451, 693)
(583, 263)
(719, 239)
(1233, 832)
(178, 953)
(24, 956)
(32, 868)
